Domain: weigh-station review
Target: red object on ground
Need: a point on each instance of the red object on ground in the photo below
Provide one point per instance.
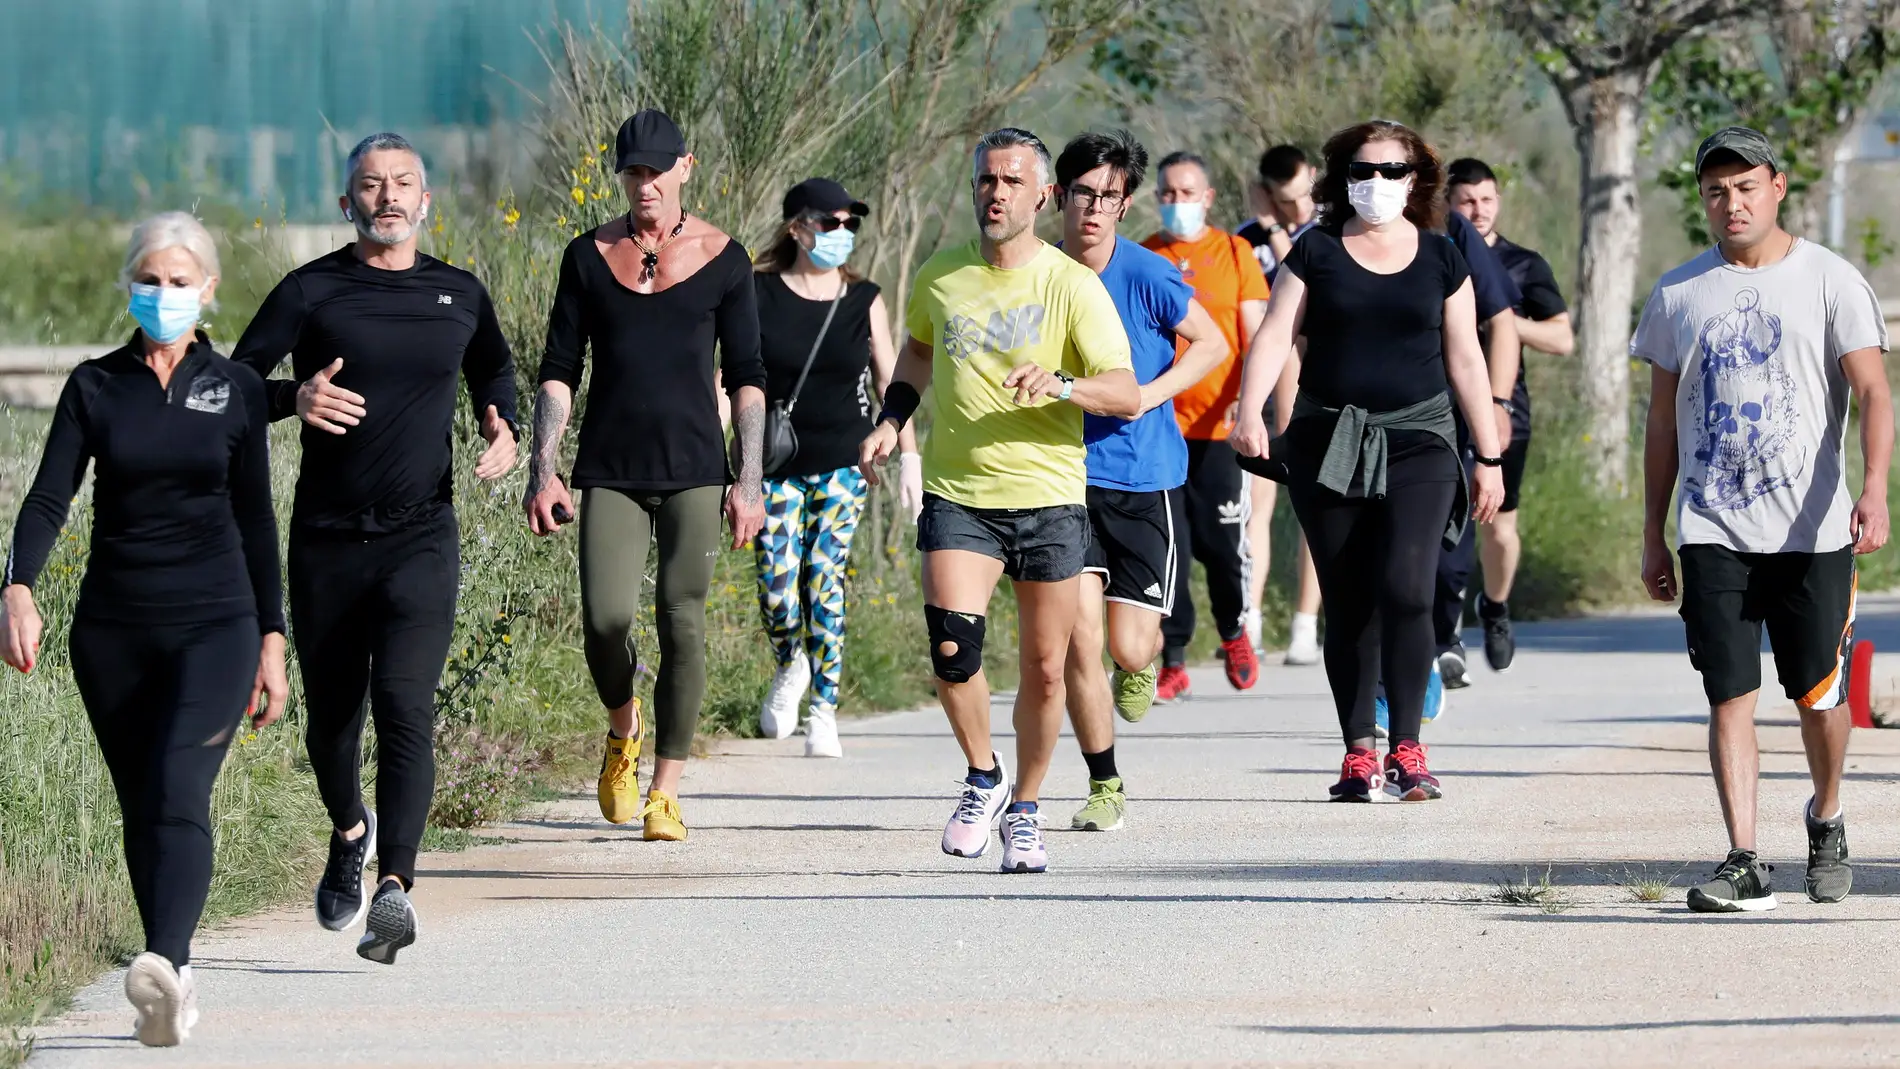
(1860, 683)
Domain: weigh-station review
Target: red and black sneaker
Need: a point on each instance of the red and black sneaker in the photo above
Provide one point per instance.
(1242, 666)
(1407, 778)
(1359, 776)
(1172, 684)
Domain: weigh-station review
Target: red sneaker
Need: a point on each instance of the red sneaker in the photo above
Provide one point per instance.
(1358, 777)
(1172, 684)
(1242, 666)
(1407, 778)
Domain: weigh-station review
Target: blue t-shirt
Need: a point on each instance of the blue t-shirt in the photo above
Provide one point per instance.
(1148, 453)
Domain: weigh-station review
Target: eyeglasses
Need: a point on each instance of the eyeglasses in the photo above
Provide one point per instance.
(1089, 200)
(828, 223)
(1361, 172)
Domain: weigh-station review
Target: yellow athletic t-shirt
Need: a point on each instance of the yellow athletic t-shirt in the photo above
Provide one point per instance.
(985, 451)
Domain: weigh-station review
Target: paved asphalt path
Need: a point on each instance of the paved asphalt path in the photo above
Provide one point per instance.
(1237, 919)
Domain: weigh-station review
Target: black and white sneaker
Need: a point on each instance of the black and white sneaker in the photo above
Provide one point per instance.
(1451, 667)
(1740, 885)
(1500, 643)
(392, 924)
(1830, 876)
(341, 897)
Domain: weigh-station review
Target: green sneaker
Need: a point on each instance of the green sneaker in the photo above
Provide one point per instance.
(1106, 804)
(1134, 692)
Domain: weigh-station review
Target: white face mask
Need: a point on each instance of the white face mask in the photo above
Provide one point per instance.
(1379, 200)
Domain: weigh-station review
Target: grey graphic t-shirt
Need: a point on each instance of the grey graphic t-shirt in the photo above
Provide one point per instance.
(1761, 405)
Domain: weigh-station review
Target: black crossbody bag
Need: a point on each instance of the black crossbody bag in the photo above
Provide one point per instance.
(781, 442)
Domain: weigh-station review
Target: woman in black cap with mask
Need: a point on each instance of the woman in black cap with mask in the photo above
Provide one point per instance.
(822, 326)
(650, 294)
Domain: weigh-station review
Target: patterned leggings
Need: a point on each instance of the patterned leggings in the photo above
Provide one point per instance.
(809, 521)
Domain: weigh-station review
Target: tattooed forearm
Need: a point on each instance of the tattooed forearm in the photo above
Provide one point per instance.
(550, 421)
(748, 440)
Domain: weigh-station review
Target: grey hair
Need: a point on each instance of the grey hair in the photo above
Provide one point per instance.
(169, 230)
(1013, 137)
(384, 141)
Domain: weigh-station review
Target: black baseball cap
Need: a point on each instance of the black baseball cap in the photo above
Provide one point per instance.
(821, 195)
(648, 139)
(1750, 146)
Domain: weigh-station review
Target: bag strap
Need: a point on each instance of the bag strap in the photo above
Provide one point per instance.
(791, 401)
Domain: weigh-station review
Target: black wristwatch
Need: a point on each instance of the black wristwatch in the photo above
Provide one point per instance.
(1490, 462)
(1505, 404)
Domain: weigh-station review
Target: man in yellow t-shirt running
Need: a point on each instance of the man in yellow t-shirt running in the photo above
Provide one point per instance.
(1018, 341)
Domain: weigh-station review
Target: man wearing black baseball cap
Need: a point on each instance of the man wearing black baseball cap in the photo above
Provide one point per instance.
(1754, 348)
(645, 297)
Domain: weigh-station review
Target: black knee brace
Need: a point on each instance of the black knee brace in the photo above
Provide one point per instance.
(956, 643)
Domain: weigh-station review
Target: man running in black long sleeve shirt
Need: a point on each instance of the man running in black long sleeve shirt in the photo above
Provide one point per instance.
(377, 333)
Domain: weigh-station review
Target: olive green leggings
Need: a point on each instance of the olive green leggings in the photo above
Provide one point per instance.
(616, 528)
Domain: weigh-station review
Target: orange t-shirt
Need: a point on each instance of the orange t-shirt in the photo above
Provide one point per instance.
(1223, 271)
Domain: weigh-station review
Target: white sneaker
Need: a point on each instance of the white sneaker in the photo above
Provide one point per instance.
(189, 984)
(1303, 643)
(156, 993)
(968, 832)
(821, 732)
(778, 717)
(1250, 623)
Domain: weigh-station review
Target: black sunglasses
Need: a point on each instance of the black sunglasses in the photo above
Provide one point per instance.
(1362, 172)
(828, 223)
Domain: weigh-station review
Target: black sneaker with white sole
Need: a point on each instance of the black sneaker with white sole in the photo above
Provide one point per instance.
(1451, 668)
(392, 924)
(1740, 885)
(1500, 642)
(1830, 876)
(341, 897)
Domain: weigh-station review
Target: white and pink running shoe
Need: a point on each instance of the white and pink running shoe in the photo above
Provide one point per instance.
(968, 833)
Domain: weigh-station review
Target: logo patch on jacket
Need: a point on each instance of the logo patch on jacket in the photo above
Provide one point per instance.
(209, 392)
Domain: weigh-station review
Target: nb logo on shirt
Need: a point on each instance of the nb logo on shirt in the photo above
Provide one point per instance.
(1007, 330)
(443, 298)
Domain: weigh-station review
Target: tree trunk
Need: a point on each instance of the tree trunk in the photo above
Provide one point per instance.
(1606, 111)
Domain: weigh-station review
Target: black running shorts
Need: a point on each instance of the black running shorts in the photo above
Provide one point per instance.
(1805, 599)
(1515, 455)
(1045, 545)
(1132, 546)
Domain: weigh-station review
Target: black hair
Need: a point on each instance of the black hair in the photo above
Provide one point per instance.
(1115, 149)
(1175, 159)
(1468, 171)
(1281, 163)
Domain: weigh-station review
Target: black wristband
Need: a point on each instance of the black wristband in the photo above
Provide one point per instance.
(1506, 404)
(900, 402)
(1490, 462)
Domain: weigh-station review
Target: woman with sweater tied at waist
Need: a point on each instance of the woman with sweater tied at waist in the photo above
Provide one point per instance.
(1370, 458)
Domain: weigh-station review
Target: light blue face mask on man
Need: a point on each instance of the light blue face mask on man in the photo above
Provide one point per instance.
(831, 250)
(165, 313)
(1184, 218)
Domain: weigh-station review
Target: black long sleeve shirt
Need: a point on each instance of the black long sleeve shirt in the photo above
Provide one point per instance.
(652, 420)
(183, 530)
(403, 337)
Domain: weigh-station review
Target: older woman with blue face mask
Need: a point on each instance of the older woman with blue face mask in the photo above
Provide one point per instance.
(179, 630)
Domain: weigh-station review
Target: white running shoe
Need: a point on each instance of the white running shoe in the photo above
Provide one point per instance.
(968, 832)
(157, 994)
(189, 984)
(778, 717)
(1303, 642)
(821, 732)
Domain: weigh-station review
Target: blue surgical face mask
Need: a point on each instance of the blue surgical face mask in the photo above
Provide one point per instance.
(830, 250)
(165, 313)
(1184, 219)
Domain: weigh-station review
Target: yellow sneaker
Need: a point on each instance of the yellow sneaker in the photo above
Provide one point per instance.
(663, 818)
(619, 779)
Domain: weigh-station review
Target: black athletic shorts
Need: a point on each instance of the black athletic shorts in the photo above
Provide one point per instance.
(1514, 456)
(1805, 599)
(1131, 546)
(1045, 545)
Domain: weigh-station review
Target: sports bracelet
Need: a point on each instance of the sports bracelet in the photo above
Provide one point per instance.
(1505, 404)
(1490, 462)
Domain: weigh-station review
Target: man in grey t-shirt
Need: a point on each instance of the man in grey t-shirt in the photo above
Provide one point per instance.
(1755, 347)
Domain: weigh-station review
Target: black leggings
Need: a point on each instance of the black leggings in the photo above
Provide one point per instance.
(1377, 562)
(164, 702)
(375, 618)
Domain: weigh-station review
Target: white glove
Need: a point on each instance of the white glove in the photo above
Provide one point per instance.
(910, 484)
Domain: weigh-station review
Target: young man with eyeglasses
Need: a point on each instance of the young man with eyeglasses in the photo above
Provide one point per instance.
(1214, 505)
(1756, 347)
(1543, 323)
(1018, 341)
(1134, 466)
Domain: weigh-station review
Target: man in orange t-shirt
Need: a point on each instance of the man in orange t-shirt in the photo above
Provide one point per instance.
(1214, 504)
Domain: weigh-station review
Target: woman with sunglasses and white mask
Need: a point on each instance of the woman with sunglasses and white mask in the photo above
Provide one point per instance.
(822, 327)
(180, 621)
(1370, 459)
